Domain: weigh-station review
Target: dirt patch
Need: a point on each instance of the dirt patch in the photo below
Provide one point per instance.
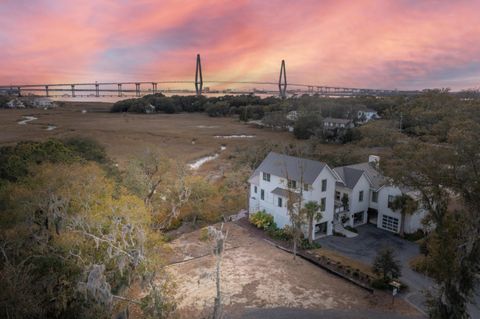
(256, 274)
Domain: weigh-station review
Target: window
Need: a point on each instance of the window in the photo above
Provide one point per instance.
(360, 196)
(279, 202)
(323, 203)
(292, 184)
(262, 194)
(321, 229)
(255, 189)
(324, 185)
(391, 198)
(337, 195)
(305, 187)
(266, 177)
(358, 218)
(390, 223)
(375, 197)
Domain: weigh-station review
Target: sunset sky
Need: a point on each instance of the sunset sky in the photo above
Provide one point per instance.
(404, 44)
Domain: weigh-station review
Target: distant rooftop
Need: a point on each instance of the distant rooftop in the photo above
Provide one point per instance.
(336, 120)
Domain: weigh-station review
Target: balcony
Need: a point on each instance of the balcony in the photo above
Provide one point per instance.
(339, 207)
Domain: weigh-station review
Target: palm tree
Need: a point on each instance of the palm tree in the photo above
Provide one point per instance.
(407, 206)
(312, 211)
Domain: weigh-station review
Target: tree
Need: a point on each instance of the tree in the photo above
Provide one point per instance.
(219, 237)
(308, 125)
(386, 265)
(312, 212)
(439, 173)
(145, 174)
(407, 206)
(72, 235)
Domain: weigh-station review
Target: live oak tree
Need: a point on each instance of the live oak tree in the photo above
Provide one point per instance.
(447, 177)
(71, 242)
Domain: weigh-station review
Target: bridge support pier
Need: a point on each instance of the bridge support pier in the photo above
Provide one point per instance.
(119, 89)
(282, 81)
(137, 89)
(19, 91)
(198, 77)
(73, 90)
(46, 90)
(154, 88)
(97, 89)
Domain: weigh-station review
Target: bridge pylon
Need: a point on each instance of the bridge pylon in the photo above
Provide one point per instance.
(282, 81)
(198, 77)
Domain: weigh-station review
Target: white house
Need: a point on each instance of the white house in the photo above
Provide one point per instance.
(279, 177)
(15, 103)
(367, 115)
(330, 123)
(349, 195)
(365, 195)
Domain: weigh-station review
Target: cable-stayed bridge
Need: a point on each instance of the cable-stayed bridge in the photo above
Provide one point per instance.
(198, 87)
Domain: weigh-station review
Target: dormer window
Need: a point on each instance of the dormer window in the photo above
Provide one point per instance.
(266, 177)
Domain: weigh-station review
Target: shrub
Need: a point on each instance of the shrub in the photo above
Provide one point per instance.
(386, 265)
(306, 245)
(280, 233)
(262, 220)
(130, 105)
(380, 283)
(307, 126)
(204, 234)
(419, 234)
(87, 148)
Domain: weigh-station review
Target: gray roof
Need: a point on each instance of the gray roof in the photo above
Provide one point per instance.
(376, 178)
(280, 192)
(285, 193)
(294, 168)
(349, 176)
(254, 178)
(337, 120)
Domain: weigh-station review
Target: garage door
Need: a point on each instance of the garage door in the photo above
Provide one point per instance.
(390, 223)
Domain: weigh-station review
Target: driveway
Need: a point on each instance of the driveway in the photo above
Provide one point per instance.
(369, 241)
(292, 313)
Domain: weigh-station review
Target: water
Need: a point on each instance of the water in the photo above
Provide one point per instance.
(196, 165)
(114, 98)
(234, 136)
(27, 119)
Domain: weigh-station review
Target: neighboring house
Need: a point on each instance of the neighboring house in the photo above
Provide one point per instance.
(280, 177)
(367, 115)
(38, 102)
(330, 123)
(370, 195)
(149, 109)
(292, 116)
(15, 103)
(42, 102)
(349, 195)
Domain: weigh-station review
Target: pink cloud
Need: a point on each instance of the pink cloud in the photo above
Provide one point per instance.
(371, 43)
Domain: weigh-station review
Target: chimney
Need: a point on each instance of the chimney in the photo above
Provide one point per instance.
(374, 160)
